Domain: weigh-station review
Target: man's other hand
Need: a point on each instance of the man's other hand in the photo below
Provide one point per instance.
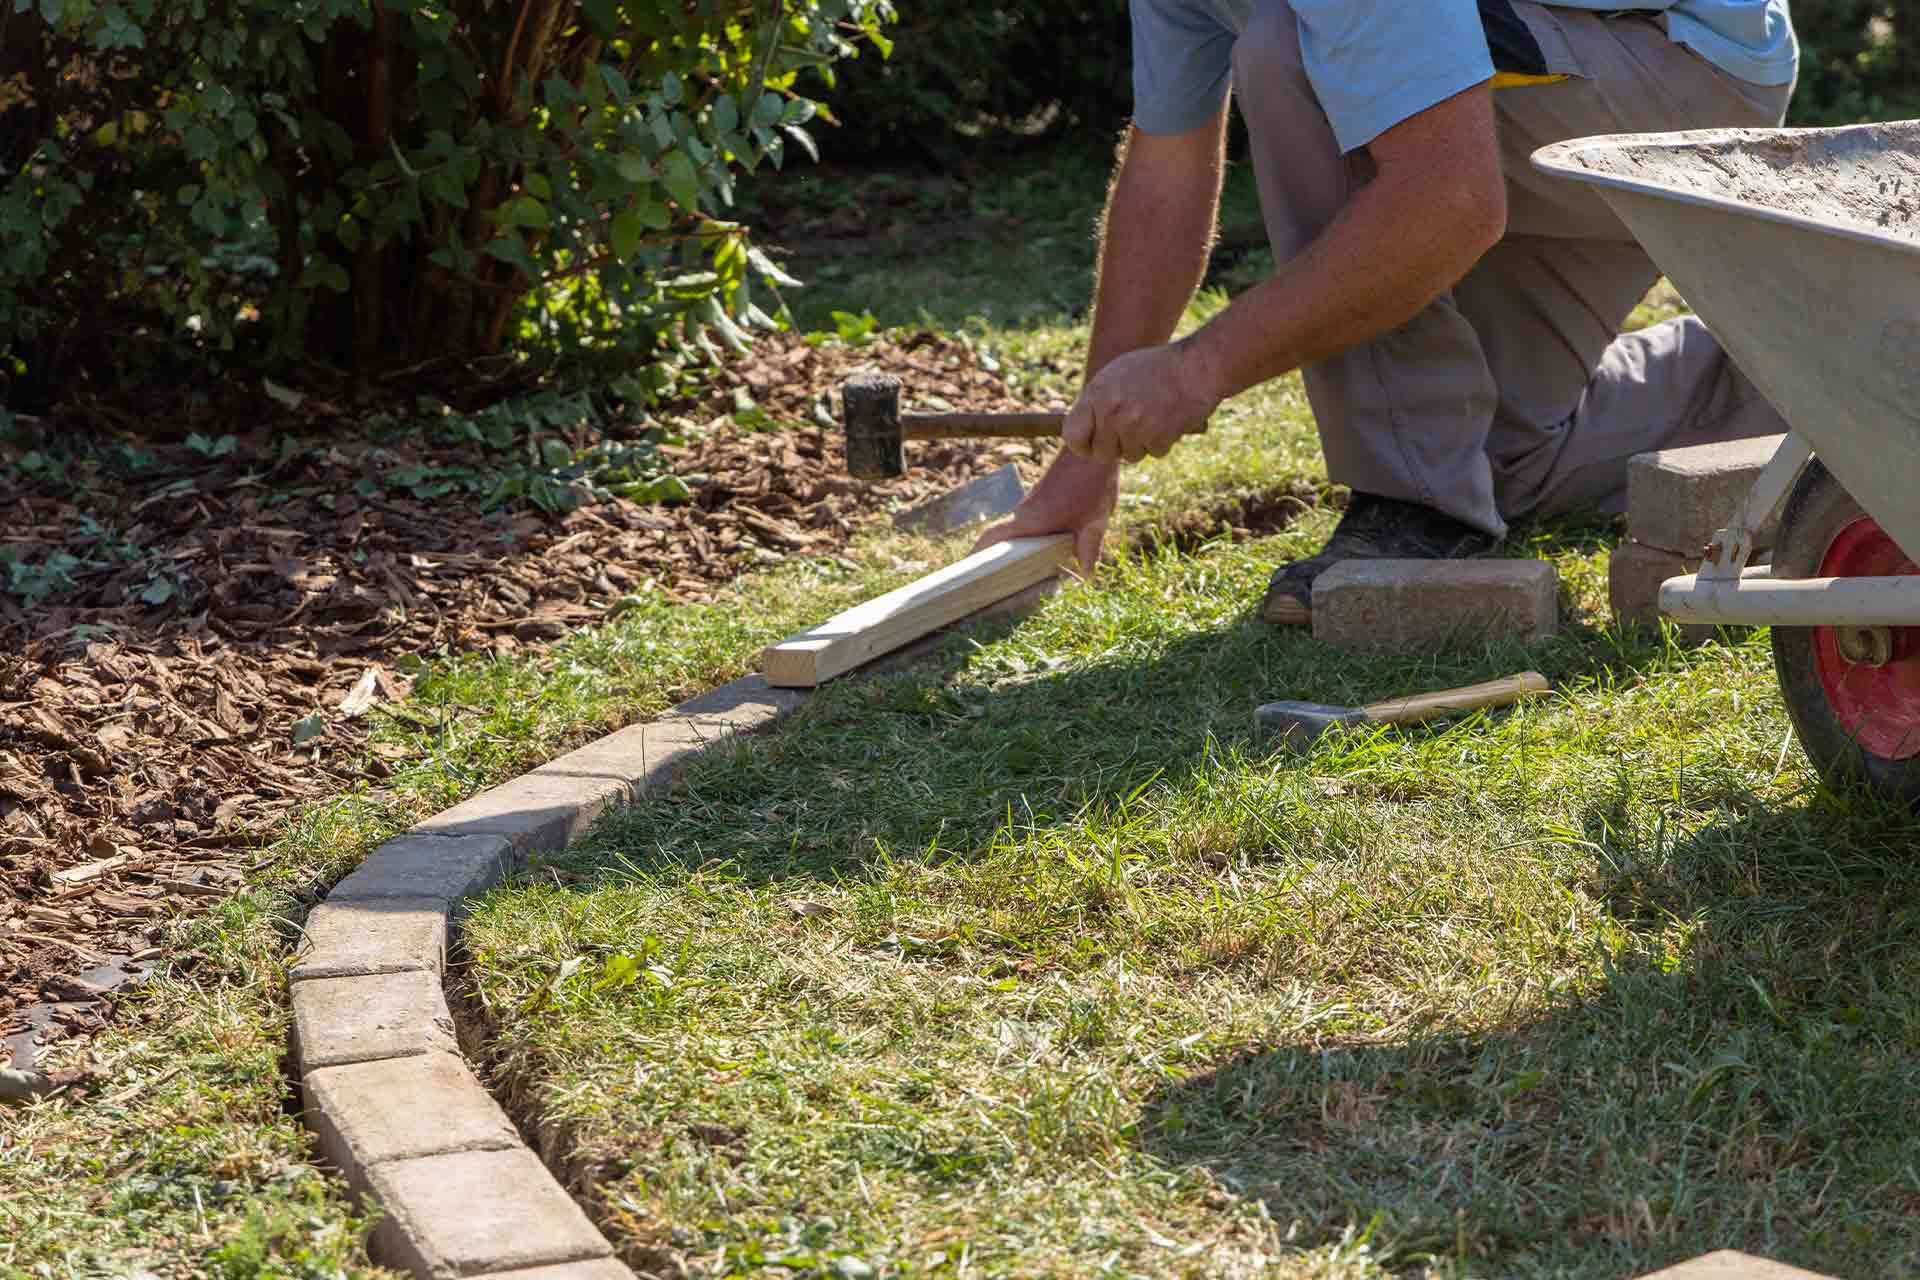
(1076, 496)
(1140, 404)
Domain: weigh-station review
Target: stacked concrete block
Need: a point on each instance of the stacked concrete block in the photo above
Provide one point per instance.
(1677, 499)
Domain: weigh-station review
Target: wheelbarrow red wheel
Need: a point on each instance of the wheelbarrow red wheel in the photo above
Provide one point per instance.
(1853, 692)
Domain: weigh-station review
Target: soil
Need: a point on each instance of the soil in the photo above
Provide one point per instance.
(148, 708)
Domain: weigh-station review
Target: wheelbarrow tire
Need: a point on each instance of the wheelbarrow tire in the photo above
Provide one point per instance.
(1816, 511)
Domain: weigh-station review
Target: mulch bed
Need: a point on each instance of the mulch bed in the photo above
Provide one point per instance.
(147, 747)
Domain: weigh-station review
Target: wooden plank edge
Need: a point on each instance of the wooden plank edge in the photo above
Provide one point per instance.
(878, 626)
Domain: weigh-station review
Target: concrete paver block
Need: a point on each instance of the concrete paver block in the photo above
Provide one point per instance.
(367, 1113)
(1415, 606)
(646, 757)
(595, 1269)
(349, 939)
(1634, 574)
(743, 705)
(474, 1212)
(1677, 499)
(982, 498)
(337, 1021)
(1730, 1264)
(539, 811)
(437, 868)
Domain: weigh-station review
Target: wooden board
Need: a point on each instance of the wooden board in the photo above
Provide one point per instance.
(1726, 1264)
(902, 616)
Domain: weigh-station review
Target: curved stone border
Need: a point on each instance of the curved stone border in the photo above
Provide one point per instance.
(394, 1105)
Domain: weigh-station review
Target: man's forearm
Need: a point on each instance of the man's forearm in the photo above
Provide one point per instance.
(1402, 240)
(1155, 239)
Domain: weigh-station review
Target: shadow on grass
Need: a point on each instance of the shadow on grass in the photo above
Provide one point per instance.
(987, 733)
(1741, 1074)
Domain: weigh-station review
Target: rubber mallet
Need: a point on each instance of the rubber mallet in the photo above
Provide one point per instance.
(1294, 727)
(877, 430)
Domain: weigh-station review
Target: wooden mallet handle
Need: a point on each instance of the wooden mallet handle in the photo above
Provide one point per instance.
(1424, 706)
(951, 426)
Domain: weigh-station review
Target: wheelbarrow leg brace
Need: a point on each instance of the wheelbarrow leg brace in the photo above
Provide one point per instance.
(1732, 547)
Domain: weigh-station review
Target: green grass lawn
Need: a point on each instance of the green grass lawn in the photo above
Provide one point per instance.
(1017, 963)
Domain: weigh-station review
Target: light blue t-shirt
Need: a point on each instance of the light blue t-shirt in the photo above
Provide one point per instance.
(1374, 64)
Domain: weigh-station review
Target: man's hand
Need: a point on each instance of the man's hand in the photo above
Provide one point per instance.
(1139, 403)
(1075, 496)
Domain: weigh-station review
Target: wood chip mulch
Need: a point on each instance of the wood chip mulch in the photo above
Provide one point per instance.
(147, 733)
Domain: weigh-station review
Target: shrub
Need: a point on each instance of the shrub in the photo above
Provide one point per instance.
(385, 184)
(1860, 60)
(961, 71)
(965, 72)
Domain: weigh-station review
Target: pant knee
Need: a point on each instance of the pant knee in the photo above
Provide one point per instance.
(1267, 62)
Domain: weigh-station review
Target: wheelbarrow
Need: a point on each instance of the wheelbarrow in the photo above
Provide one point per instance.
(1800, 249)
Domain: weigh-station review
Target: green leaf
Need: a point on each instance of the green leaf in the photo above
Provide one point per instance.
(653, 215)
(522, 211)
(805, 140)
(605, 17)
(726, 114)
(632, 167)
(670, 88)
(624, 233)
(770, 269)
(769, 109)
(307, 729)
(682, 182)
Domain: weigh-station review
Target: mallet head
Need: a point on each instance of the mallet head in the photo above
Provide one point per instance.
(1293, 727)
(870, 403)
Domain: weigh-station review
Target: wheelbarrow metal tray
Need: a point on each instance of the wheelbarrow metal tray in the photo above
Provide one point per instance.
(1800, 248)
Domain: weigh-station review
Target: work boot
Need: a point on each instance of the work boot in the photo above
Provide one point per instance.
(1373, 528)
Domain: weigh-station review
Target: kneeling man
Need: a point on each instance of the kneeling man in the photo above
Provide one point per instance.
(1455, 313)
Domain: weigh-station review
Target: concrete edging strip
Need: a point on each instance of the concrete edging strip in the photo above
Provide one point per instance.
(392, 1103)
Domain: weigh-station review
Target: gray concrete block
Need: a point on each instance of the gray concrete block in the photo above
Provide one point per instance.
(1730, 1264)
(983, 498)
(399, 1109)
(440, 868)
(337, 1021)
(348, 938)
(645, 757)
(1416, 606)
(537, 812)
(476, 1212)
(744, 705)
(1677, 499)
(597, 1269)
(1634, 574)
(649, 757)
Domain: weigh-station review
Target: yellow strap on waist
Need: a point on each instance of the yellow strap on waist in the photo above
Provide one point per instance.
(1517, 79)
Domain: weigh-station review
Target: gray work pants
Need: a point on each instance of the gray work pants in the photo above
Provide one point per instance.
(1514, 393)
